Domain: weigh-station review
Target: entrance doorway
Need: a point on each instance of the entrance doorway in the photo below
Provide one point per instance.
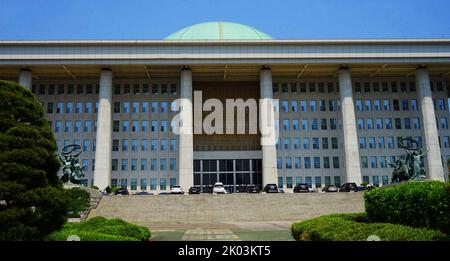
(235, 174)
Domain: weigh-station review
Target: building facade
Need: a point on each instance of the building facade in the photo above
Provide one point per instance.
(342, 105)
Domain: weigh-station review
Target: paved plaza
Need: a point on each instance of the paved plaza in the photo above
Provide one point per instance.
(225, 217)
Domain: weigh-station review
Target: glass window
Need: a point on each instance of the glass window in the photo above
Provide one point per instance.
(163, 106)
(153, 163)
(388, 123)
(162, 164)
(135, 107)
(135, 126)
(306, 143)
(312, 106)
(414, 106)
(143, 164)
(334, 142)
(377, 105)
(383, 163)
(153, 182)
(318, 181)
(360, 123)
(125, 145)
(371, 141)
(288, 163)
(124, 165)
(58, 126)
(126, 107)
(289, 182)
(364, 162)
(295, 124)
(390, 142)
(164, 145)
(368, 105)
(172, 163)
(307, 161)
(379, 123)
(88, 107)
(298, 162)
(373, 162)
(381, 142)
(323, 124)
(303, 106)
(370, 124)
(314, 124)
(133, 164)
(284, 106)
(358, 105)
(162, 184)
(143, 184)
(315, 143)
(279, 163)
(304, 124)
(125, 126)
(68, 126)
(326, 162)
(335, 162)
(386, 105)
(324, 143)
(87, 126)
(362, 142)
(154, 126)
(173, 145)
(294, 106)
(296, 143)
(77, 126)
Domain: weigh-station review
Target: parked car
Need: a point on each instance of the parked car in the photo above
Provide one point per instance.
(347, 187)
(271, 188)
(164, 193)
(301, 188)
(280, 190)
(143, 193)
(194, 190)
(122, 191)
(331, 188)
(176, 189)
(252, 189)
(219, 188)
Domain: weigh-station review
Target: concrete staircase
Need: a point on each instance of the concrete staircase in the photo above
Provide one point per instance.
(217, 209)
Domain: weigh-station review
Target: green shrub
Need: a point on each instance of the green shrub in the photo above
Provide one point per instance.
(102, 229)
(32, 199)
(79, 200)
(413, 203)
(355, 227)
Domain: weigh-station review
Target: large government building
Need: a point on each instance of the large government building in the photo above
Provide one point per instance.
(343, 105)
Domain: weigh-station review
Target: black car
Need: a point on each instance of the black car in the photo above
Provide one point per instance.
(331, 188)
(252, 189)
(347, 187)
(122, 191)
(271, 188)
(301, 188)
(143, 193)
(194, 190)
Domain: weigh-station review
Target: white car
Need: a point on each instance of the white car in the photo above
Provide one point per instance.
(176, 190)
(219, 188)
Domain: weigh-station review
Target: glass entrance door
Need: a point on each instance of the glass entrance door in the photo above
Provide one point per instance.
(236, 175)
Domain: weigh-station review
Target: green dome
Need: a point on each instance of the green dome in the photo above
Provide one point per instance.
(218, 31)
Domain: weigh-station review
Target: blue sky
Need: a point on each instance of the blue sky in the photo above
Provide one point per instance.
(282, 19)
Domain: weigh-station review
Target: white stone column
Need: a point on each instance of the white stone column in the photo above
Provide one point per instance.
(267, 121)
(102, 173)
(26, 78)
(351, 149)
(186, 139)
(433, 157)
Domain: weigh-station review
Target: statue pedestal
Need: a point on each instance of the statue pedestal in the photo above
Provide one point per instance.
(71, 185)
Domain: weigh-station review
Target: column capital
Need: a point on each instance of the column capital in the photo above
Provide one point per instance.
(344, 67)
(421, 67)
(265, 67)
(106, 69)
(185, 68)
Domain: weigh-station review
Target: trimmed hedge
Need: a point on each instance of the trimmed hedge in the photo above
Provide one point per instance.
(413, 203)
(102, 229)
(355, 227)
(78, 200)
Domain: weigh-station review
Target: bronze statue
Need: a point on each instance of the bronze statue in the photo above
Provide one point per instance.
(409, 165)
(72, 170)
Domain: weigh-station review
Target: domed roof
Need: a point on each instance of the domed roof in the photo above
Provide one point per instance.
(218, 31)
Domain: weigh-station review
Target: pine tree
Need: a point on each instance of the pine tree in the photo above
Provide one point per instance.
(32, 199)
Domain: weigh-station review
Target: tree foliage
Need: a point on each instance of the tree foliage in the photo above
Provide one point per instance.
(32, 200)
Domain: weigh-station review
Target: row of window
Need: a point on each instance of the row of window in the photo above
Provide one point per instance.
(360, 105)
(308, 162)
(164, 164)
(69, 107)
(134, 127)
(324, 123)
(143, 185)
(318, 182)
(70, 88)
(307, 143)
(143, 107)
(382, 142)
(77, 126)
(384, 86)
(133, 145)
(408, 123)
